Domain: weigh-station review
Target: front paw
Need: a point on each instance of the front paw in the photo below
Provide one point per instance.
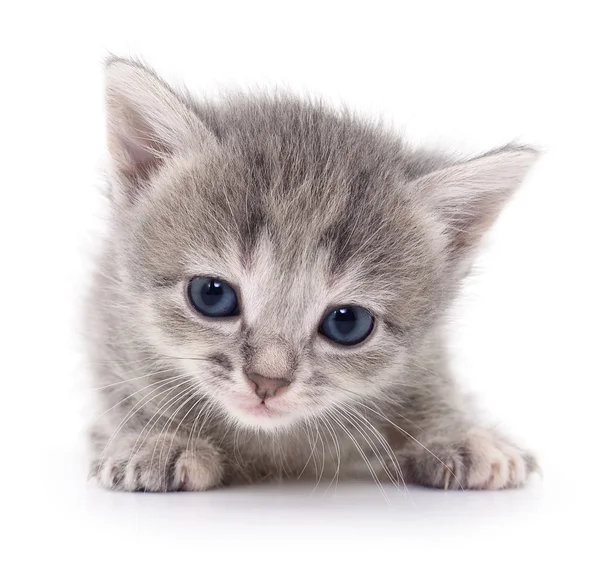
(481, 460)
(162, 463)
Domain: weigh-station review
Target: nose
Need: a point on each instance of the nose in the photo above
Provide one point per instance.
(265, 387)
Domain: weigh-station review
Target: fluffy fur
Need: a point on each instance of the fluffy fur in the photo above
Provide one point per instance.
(300, 208)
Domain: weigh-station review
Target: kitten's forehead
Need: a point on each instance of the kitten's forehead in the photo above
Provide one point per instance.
(350, 239)
(344, 216)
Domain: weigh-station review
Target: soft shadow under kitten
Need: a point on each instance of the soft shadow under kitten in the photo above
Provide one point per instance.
(270, 298)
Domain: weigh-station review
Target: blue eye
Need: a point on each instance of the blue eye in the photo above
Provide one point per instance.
(347, 325)
(212, 297)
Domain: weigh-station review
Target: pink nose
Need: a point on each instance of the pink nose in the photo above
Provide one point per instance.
(266, 386)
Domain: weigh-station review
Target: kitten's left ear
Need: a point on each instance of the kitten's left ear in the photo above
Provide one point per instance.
(148, 122)
(469, 196)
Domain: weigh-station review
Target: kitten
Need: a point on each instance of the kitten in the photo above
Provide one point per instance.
(270, 298)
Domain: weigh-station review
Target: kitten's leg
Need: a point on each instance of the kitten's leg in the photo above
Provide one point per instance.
(437, 437)
(475, 459)
(162, 462)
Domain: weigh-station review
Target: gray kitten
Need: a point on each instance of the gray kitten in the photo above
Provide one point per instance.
(270, 299)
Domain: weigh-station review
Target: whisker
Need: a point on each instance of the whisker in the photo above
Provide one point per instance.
(383, 441)
(331, 431)
(188, 394)
(400, 429)
(195, 421)
(151, 422)
(323, 459)
(311, 452)
(357, 425)
(208, 414)
(125, 381)
(236, 451)
(386, 446)
(160, 411)
(159, 384)
(130, 414)
(362, 453)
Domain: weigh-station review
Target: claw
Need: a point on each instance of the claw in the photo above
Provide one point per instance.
(535, 468)
(447, 478)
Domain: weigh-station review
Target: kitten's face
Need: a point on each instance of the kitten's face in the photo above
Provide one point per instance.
(289, 270)
(288, 213)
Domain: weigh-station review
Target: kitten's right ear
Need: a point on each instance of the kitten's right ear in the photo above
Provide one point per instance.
(147, 122)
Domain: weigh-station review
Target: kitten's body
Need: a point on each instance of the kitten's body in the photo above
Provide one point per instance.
(301, 209)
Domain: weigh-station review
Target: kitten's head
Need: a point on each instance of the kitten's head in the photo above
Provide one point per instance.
(287, 257)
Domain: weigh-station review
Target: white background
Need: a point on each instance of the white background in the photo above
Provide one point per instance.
(469, 76)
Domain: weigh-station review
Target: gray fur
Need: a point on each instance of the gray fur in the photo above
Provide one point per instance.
(301, 208)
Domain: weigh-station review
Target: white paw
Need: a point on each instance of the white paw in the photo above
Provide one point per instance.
(495, 464)
(480, 460)
(162, 463)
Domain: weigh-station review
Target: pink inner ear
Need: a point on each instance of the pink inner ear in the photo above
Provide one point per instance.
(139, 158)
(135, 152)
(133, 143)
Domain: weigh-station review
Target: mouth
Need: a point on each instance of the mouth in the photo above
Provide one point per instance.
(260, 414)
(261, 409)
